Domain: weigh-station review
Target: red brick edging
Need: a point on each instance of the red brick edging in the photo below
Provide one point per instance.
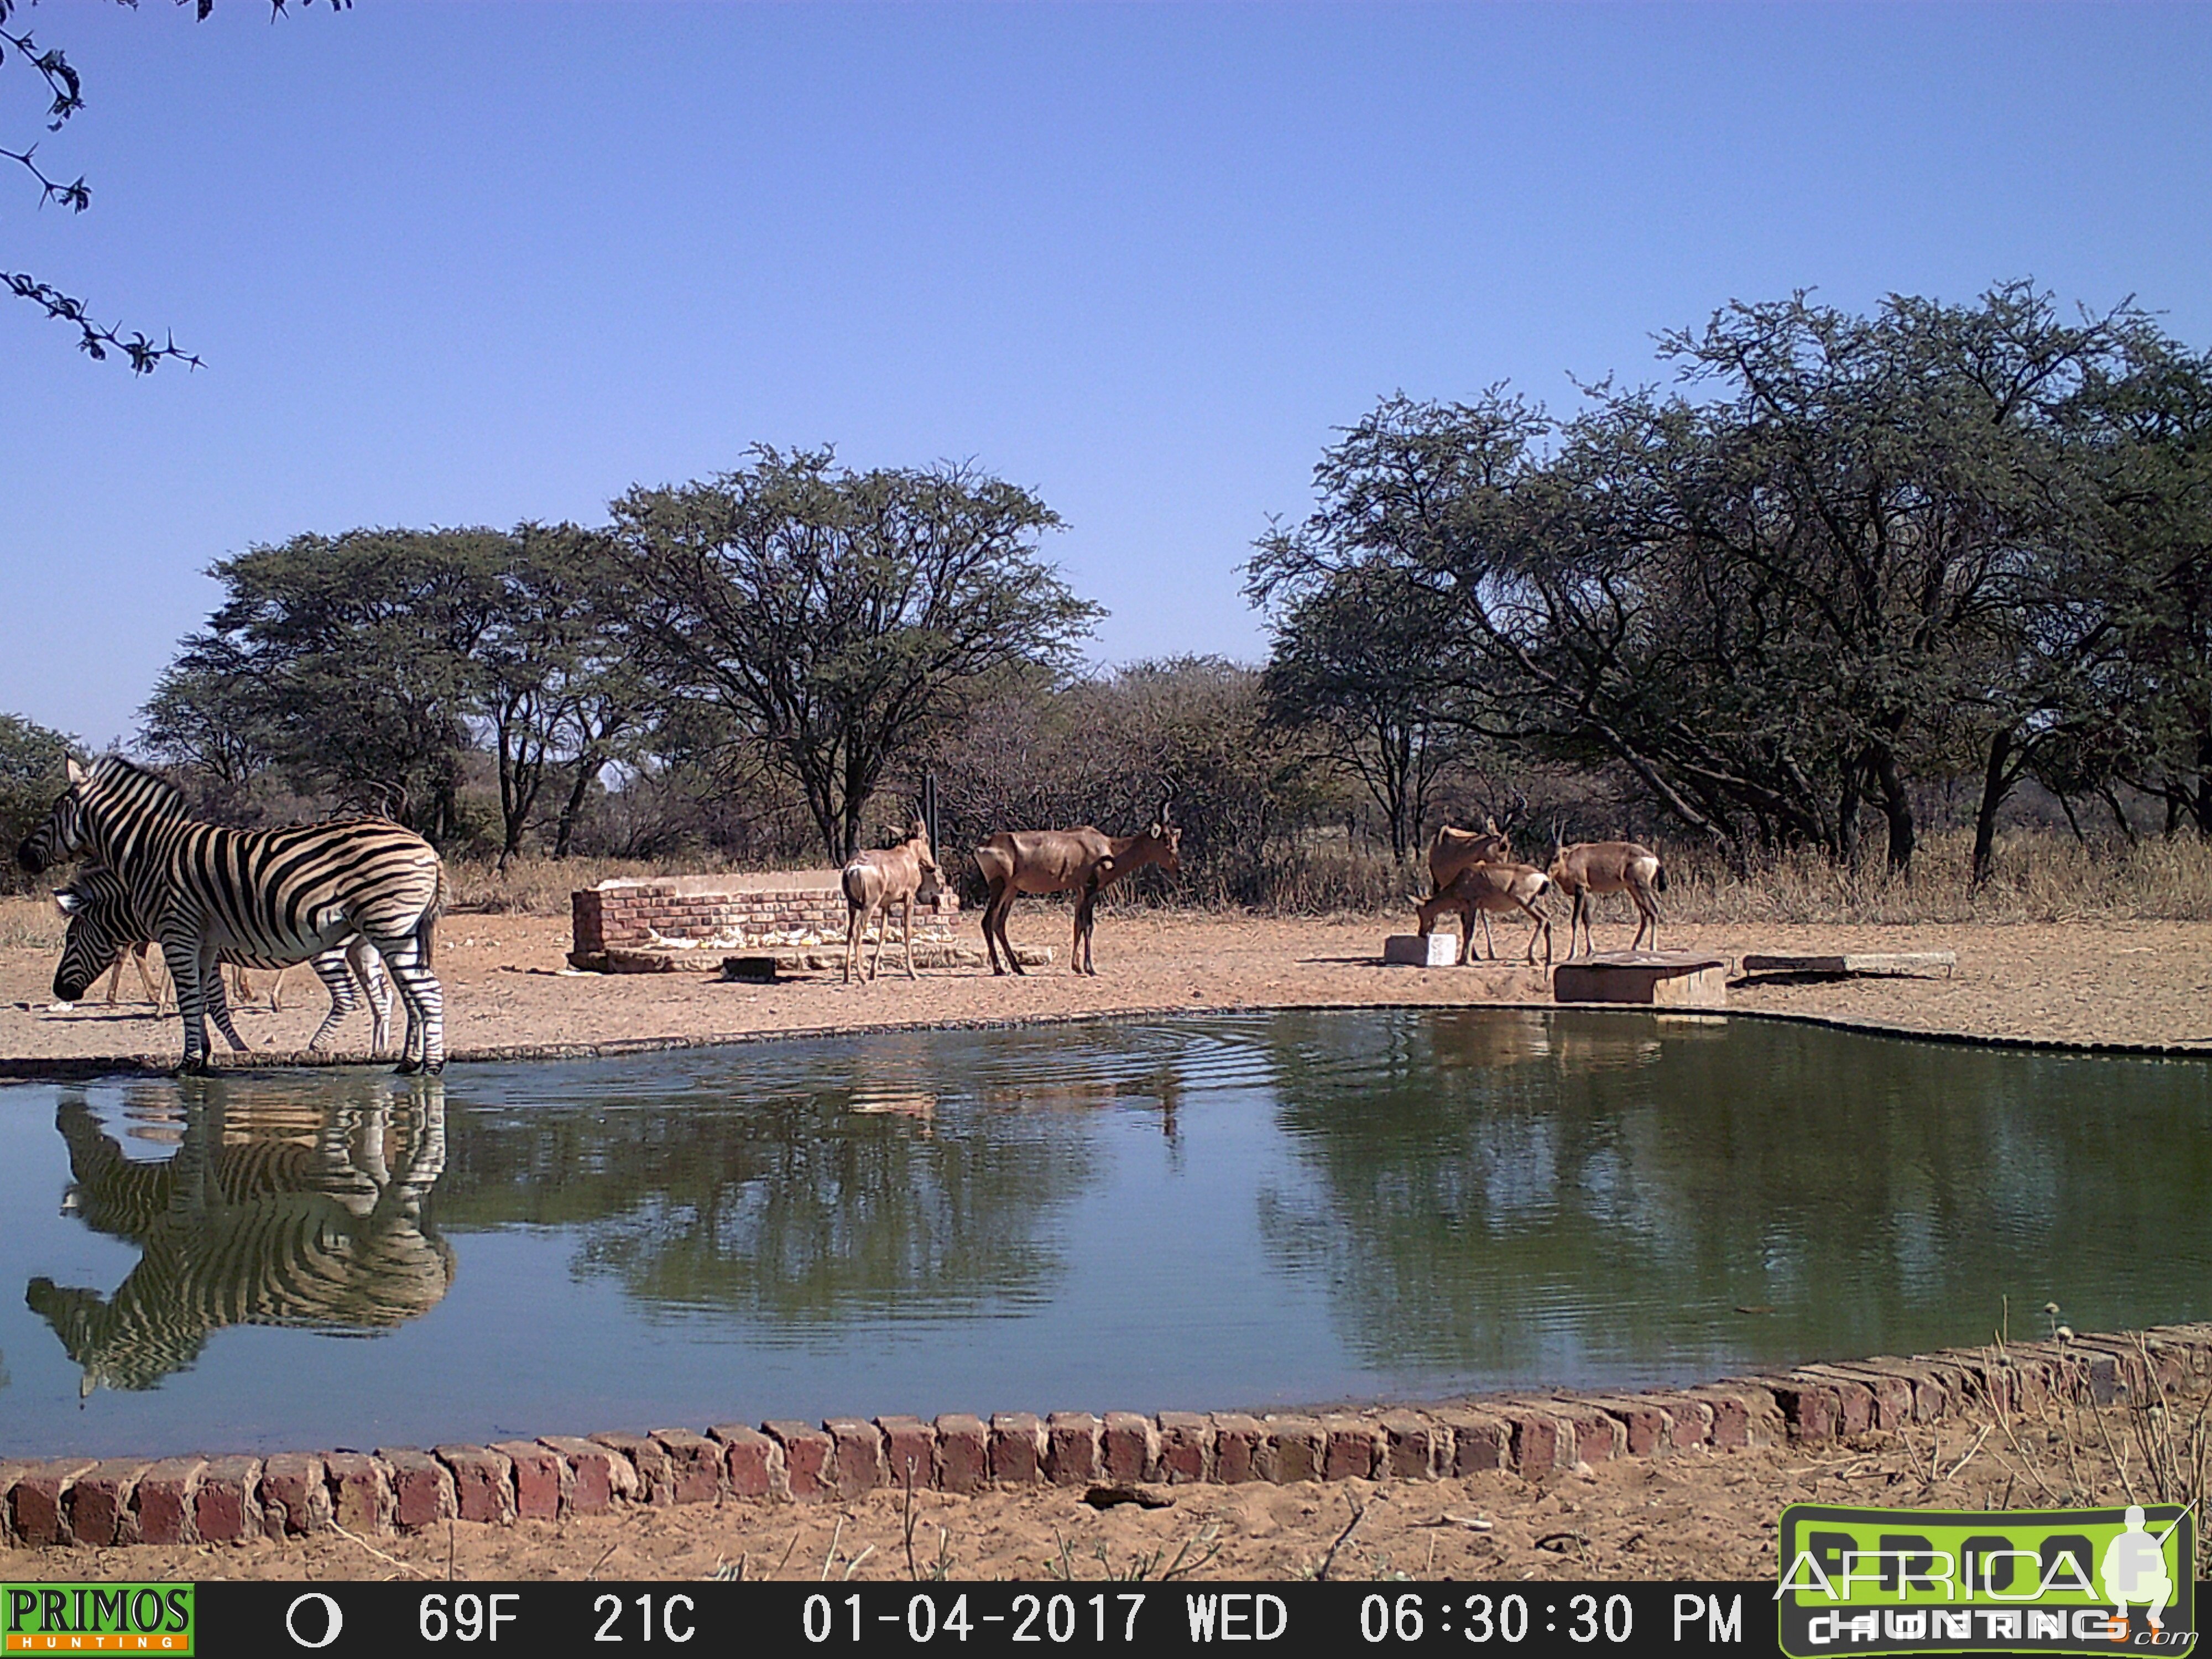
(180, 1500)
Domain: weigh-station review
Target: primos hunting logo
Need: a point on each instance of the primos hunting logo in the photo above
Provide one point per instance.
(2014, 1581)
(95, 1619)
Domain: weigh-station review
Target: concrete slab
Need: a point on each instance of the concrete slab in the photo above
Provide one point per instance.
(1669, 979)
(1874, 963)
(1421, 950)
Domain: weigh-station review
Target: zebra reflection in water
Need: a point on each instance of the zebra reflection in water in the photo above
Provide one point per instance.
(325, 1234)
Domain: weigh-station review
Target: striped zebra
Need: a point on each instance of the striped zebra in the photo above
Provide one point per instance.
(268, 1233)
(103, 924)
(276, 895)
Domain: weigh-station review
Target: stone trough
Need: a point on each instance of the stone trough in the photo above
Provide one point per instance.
(1873, 963)
(1660, 978)
(680, 924)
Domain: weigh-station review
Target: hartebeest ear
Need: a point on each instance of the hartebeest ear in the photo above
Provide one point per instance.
(76, 774)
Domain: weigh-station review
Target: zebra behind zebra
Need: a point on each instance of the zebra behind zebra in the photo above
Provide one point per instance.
(103, 923)
(274, 896)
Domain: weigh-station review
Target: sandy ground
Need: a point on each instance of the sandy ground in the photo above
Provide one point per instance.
(1696, 1515)
(507, 986)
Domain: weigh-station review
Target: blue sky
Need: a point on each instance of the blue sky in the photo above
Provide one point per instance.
(470, 264)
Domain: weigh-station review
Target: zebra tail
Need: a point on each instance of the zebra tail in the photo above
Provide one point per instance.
(425, 930)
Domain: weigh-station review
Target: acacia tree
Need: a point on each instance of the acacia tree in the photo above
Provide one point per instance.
(353, 657)
(1368, 666)
(59, 84)
(831, 620)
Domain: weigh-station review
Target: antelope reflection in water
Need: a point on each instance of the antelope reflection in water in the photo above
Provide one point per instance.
(322, 1234)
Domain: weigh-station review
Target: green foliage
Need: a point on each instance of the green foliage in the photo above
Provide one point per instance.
(32, 773)
(823, 622)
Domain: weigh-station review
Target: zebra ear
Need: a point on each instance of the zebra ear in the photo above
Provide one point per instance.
(68, 903)
(76, 774)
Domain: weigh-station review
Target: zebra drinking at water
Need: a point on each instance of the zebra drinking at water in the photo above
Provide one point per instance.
(102, 924)
(275, 896)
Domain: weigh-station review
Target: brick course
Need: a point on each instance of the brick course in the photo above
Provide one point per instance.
(228, 1499)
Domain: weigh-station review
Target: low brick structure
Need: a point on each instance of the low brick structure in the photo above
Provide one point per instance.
(672, 923)
(229, 1499)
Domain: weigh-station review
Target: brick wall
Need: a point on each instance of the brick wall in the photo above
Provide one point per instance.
(128, 1500)
(739, 911)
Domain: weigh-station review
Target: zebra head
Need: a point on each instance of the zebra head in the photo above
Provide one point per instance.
(102, 922)
(107, 804)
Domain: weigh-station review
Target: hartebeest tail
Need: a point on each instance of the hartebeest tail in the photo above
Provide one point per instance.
(874, 882)
(1593, 868)
(1481, 889)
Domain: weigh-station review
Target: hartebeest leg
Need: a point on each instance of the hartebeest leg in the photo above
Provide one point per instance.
(1002, 906)
(1647, 913)
(854, 923)
(1544, 923)
(908, 906)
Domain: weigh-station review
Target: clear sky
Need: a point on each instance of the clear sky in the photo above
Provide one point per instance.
(468, 264)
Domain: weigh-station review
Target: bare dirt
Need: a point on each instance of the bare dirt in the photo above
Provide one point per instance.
(1690, 1515)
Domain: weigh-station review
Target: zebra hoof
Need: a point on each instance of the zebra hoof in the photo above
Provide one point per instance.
(407, 1068)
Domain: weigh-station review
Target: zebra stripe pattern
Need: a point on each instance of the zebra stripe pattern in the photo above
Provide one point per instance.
(268, 896)
(103, 923)
(294, 1236)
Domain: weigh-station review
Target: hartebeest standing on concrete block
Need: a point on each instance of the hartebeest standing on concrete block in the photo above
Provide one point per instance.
(1483, 888)
(1083, 861)
(875, 881)
(1591, 868)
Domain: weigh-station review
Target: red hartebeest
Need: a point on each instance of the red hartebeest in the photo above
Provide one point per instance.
(1454, 850)
(1483, 888)
(874, 882)
(1083, 861)
(1591, 868)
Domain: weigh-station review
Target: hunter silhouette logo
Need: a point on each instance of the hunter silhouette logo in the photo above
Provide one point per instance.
(1875, 1581)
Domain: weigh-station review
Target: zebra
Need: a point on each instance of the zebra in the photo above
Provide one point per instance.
(266, 1233)
(102, 924)
(278, 896)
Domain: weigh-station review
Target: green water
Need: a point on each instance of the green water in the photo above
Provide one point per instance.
(1203, 1212)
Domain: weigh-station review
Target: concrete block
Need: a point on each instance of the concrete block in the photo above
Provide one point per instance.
(36, 1510)
(1415, 1448)
(481, 1491)
(1421, 950)
(1352, 1448)
(1664, 979)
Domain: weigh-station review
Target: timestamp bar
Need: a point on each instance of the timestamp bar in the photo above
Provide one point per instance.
(669, 1621)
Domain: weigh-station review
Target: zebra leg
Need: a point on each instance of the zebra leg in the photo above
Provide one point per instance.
(332, 968)
(183, 955)
(368, 967)
(420, 994)
(219, 1011)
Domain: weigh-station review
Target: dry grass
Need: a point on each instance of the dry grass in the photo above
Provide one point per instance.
(30, 923)
(2039, 876)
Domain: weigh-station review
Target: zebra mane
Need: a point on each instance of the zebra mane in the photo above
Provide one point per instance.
(162, 797)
